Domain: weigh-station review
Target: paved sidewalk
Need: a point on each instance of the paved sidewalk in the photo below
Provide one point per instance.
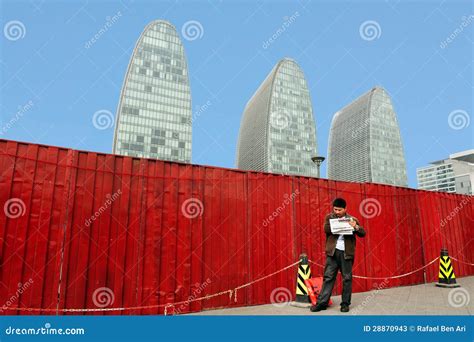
(424, 299)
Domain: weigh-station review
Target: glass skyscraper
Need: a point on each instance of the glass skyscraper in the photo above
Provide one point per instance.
(277, 131)
(365, 143)
(154, 113)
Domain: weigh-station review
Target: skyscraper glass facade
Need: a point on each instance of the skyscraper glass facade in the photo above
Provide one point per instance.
(277, 132)
(365, 143)
(154, 114)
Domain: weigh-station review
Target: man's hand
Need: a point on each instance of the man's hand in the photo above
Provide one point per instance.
(353, 223)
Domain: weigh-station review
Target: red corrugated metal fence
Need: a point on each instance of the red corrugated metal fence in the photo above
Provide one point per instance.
(89, 230)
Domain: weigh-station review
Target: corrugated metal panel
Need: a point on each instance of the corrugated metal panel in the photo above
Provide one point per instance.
(155, 232)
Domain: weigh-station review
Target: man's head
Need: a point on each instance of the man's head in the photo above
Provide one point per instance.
(339, 206)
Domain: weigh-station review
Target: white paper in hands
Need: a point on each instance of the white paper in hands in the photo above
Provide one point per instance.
(341, 226)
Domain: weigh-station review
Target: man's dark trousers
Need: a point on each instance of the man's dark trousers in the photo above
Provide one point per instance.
(333, 265)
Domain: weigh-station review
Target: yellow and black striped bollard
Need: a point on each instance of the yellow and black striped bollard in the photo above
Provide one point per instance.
(304, 272)
(446, 277)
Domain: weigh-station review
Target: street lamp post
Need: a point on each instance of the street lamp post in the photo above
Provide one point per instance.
(318, 160)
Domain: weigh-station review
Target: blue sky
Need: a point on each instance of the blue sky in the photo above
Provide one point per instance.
(420, 51)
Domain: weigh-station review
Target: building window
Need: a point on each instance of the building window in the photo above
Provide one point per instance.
(158, 141)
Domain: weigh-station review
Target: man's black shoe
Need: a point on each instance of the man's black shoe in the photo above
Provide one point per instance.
(344, 308)
(318, 307)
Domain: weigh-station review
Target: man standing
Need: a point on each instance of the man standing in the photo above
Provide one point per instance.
(340, 252)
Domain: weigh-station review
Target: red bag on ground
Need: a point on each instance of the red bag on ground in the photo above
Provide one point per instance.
(314, 286)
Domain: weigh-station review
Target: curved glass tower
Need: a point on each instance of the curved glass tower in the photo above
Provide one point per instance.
(277, 132)
(154, 113)
(365, 143)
